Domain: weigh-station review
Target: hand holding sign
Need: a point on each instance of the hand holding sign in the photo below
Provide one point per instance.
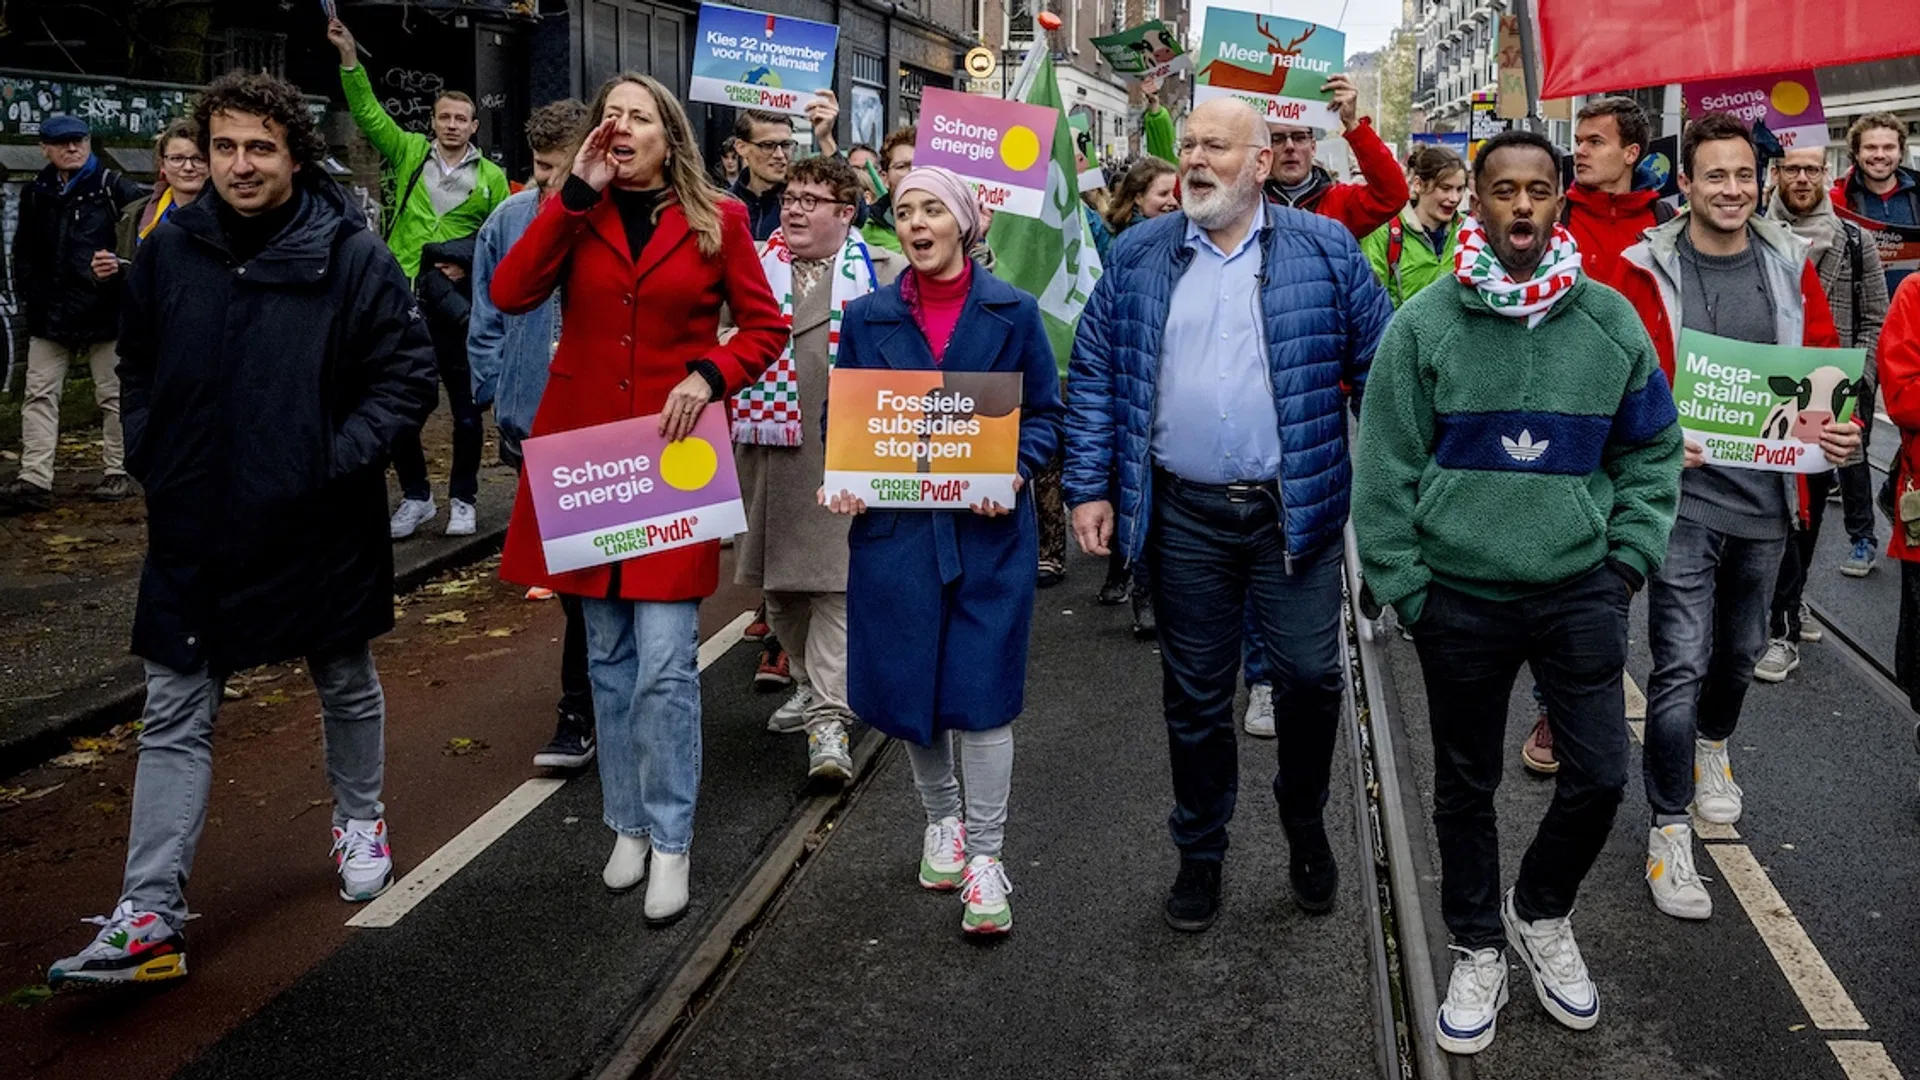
(1345, 100)
(1839, 441)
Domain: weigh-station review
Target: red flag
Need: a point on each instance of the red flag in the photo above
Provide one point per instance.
(1588, 47)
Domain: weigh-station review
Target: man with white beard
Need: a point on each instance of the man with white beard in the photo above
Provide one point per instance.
(1206, 436)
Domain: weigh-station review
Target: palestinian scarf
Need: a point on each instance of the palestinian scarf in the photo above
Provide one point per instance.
(768, 412)
(1475, 264)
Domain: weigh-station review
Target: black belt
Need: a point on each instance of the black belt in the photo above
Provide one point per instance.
(1240, 491)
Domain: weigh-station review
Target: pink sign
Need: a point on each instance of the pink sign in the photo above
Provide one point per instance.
(1788, 102)
(1002, 148)
(619, 491)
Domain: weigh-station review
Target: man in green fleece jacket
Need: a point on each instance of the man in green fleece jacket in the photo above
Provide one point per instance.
(1515, 478)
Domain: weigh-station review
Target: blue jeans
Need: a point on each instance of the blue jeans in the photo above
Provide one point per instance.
(1211, 560)
(644, 661)
(1707, 611)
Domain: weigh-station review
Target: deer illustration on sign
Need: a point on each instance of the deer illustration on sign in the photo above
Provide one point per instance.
(1226, 76)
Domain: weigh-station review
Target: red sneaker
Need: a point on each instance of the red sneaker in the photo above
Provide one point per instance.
(758, 630)
(773, 673)
(1537, 753)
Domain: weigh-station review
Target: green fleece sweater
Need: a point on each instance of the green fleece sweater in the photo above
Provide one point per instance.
(1503, 460)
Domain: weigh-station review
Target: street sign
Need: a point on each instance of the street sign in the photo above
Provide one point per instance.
(980, 62)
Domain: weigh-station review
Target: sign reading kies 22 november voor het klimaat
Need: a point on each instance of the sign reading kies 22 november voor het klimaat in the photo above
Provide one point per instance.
(923, 440)
(619, 491)
(753, 60)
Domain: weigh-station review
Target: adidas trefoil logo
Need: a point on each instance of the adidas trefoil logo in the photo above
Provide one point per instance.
(1524, 449)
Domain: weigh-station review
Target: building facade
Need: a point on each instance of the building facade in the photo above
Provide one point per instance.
(1455, 58)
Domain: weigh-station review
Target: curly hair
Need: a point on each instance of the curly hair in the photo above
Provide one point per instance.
(1875, 122)
(275, 99)
(897, 138)
(557, 125)
(832, 172)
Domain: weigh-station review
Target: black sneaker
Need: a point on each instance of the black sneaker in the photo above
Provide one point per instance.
(23, 497)
(1311, 871)
(1052, 572)
(572, 744)
(1194, 900)
(1145, 627)
(1115, 591)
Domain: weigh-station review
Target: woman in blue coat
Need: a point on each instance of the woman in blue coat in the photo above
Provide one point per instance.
(939, 602)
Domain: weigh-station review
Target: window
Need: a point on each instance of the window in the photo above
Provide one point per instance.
(1019, 21)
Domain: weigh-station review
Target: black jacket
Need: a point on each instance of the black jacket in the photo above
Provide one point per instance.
(445, 302)
(53, 253)
(259, 403)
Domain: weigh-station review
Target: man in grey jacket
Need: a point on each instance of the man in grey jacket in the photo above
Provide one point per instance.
(1856, 288)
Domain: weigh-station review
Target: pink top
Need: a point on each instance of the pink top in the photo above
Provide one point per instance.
(936, 305)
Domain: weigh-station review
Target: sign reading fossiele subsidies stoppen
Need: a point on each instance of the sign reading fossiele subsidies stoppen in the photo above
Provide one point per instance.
(1275, 65)
(753, 60)
(619, 491)
(923, 440)
(1000, 147)
(1763, 406)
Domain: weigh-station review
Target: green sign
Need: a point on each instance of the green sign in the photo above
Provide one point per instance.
(1275, 65)
(1148, 51)
(1763, 406)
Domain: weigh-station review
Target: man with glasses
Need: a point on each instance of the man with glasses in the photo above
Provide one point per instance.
(68, 215)
(1296, 181)
(1211, 372)
(1856, 286)
(765, 143)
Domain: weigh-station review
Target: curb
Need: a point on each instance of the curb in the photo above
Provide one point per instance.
(94, 709)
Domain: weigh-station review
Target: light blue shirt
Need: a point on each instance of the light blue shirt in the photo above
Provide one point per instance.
(1214, 420)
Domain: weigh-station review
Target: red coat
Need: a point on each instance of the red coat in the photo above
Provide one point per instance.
(628, 333)
(1900, 392)
(1362, 208)
(1605, 225)
(1643, 292)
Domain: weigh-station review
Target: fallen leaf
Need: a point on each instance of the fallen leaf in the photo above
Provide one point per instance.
(492, 654)
(1796, 1027)
(451, 588)
(278, 697)
(78, 759)
(14, 795)
(456, 616)
(503, 631)
(463, 747)
(106, 806)
(28, 996)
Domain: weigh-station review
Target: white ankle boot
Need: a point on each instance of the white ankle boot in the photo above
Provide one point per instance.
(627, 865)
(667, 889)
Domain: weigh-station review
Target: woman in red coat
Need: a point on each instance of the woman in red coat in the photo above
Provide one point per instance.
(646, 252)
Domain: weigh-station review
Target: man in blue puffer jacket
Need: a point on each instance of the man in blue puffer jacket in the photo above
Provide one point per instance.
(1210, 377)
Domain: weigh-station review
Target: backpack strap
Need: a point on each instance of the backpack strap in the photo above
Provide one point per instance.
(1396, 247)
(1858, 260)
(401, 206)
(1663, 212)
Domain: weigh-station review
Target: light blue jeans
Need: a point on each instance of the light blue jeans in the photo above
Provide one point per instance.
(644, 662)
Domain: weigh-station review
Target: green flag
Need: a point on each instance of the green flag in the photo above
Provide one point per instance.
(1050, 256)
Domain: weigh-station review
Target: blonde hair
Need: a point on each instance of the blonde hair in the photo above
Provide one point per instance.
(686, 171)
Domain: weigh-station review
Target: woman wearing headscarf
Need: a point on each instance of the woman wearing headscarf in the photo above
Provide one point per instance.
(939, 602)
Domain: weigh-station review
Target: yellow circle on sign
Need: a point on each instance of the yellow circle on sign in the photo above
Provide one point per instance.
(689, 464)
(1019, 148)
(1790, 98)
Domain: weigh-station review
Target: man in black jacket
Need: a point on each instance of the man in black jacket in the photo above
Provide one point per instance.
(66, 215)
(270, 354)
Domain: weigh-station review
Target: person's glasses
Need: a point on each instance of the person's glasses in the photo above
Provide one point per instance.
(809, 203)
(1297, 138)
(777, 146)
(185, 161)
(1795, 172)
(1212, 148)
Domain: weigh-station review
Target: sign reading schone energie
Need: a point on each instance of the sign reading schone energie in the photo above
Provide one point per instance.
(1763, 406)
(923, 440)
(1788, 102)
(1275, 65)
(753, 60)
(619, 491)
(1000, 147)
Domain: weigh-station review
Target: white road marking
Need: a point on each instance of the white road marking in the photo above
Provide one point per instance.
(1636, 701)
(439, 867)
(1826, 1001)
(1863, 1060)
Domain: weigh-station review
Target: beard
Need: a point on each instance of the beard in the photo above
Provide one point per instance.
(1520, 265)
(1218, 207)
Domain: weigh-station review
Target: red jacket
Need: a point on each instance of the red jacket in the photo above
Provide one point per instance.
(1900, 392)
(1605, 225)
(1643, 292)
(628, 333)
(1362, 208)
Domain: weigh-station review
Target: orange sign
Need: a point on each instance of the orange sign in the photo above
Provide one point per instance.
(923, 440)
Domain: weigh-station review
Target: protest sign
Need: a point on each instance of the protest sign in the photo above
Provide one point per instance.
(1899, 246)
(619, 491)
(1000, 147)
(1275, 65)
(1455, 141)
(1511, 60)
(1762, 406)
(753, 60)
(1787, 102)
(1485, 121)
(1148, 51)
(923, 440)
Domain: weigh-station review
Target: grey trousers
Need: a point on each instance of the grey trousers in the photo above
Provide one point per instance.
(176, 768)
(813, 628)
(986, 760)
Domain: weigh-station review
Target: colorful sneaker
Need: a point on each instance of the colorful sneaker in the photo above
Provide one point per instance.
(828, 755)
(775, 671)
(1859, 561)
(1560, 978)
(1716, 797)
(132, 946)
(539, 592)
(365, 862)
(758, 630)
(943, 855)
(1537, 752)
(985, 890)
(1476, 993)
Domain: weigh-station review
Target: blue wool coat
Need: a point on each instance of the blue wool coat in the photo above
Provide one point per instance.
(939, 602)
(1322, 313)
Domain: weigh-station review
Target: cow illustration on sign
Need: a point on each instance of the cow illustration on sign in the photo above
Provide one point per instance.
(1826, 394)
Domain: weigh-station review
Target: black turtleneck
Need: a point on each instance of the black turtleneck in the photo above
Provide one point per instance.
(248, 236)
(636, 209)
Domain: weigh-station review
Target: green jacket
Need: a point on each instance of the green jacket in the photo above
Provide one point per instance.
(878, 235)
(1504, 461)
(1420, 265)
(415, 225)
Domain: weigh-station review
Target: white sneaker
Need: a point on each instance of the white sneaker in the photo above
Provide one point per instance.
(828, 755)
(1259, 719)
(1716, 797)
(460, 518)
(1547, 950)
(1781, 658)
(943, 855)
(412, 514)
(363, 859)
(791, 716)
(1810, 627)
(1676, 885)
(1475, 995)
(666, 888)
(985, 890)
(627, 865)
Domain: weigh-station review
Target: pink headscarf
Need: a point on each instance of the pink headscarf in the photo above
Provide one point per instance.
(958, 196)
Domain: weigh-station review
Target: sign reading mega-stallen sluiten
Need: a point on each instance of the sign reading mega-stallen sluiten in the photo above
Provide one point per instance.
(1763, 406)
(923, 440)
(753, 60)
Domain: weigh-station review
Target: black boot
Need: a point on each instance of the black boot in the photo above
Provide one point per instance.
(1311, 871)
(1144, 626)
(1194, 900)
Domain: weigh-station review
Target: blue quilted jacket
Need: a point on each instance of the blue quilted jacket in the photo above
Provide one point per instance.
(1324, 312)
